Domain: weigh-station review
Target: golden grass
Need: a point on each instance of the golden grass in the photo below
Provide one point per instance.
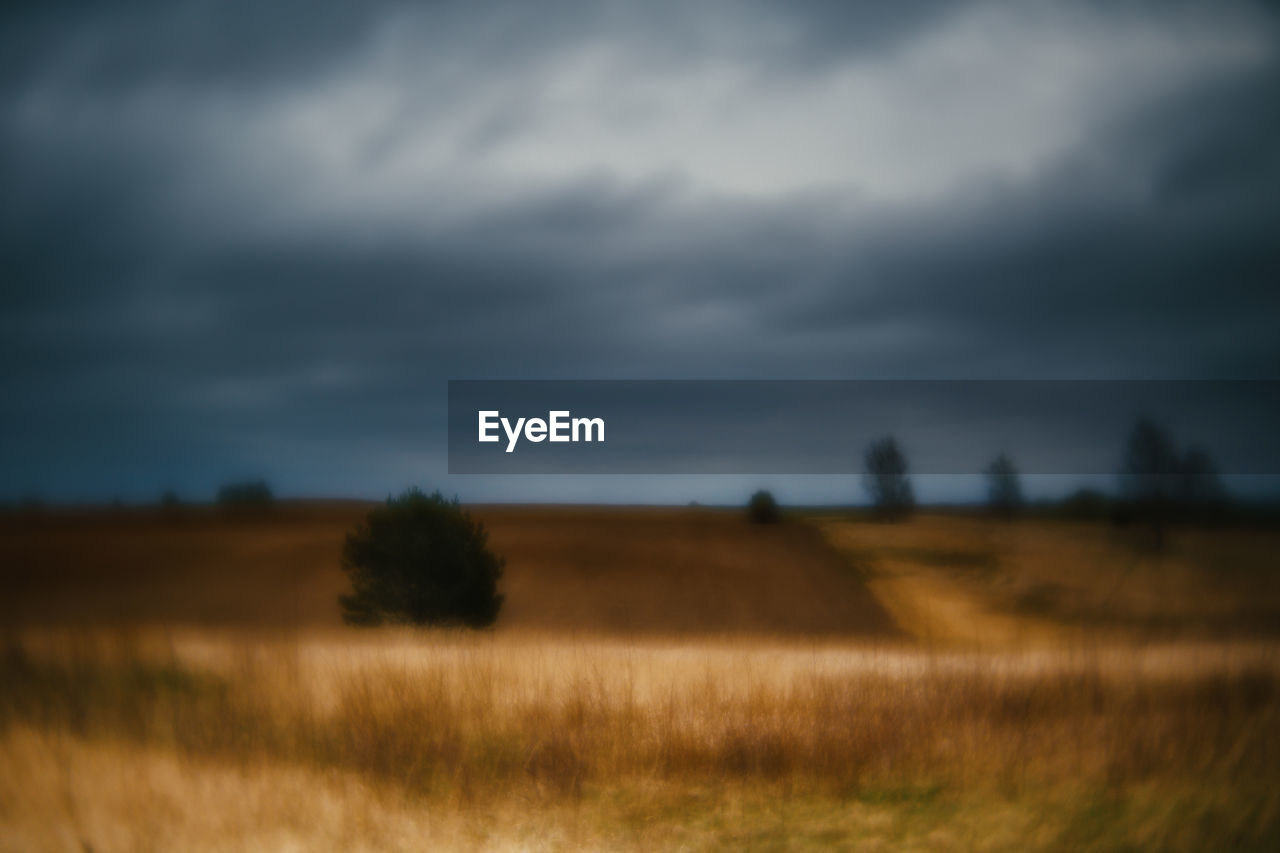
(73, 794)
(466, 726)
(975, 581)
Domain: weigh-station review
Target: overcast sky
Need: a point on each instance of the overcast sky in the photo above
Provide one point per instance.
(242, 238)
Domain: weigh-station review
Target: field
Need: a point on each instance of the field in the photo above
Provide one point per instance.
(642, 570)
(660, 679)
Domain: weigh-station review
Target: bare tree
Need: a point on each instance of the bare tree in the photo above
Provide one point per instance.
(885, 479)
(1004, 486)
(1149, 475)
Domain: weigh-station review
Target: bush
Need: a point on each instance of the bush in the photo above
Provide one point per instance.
(1086, 504)
(763, 509)
(250, 494)
(423, 560)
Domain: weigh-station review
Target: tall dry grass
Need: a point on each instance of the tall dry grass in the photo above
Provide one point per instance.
(436, 713)
(551, 742)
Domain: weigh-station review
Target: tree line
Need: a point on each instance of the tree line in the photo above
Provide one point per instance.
(422, 559)
(1159, 482)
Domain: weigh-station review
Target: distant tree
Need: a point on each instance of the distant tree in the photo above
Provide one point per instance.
(246, 495)
(1150, 476)
(1004, 486)
(1085, 503)
(885, 479)
(31, 503)
(423, 560)
(1197, 478)
(1200, 492)
(171, 505)
(1151, 462)
(763, 509)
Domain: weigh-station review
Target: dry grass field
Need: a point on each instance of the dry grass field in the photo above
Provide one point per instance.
(633, 570)
(977, 581)
(661, 679)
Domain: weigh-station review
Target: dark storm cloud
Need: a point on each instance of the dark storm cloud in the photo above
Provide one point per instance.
(242, 43)
(230, 243)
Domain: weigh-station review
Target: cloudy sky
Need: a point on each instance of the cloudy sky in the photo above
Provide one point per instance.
(242, 238)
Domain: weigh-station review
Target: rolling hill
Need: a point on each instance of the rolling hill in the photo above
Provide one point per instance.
(592, 569)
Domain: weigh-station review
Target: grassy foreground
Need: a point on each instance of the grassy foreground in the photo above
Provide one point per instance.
(407, 741)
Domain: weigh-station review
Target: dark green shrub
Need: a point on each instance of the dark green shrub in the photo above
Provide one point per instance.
(1086, 504)
(247, 495)
(423, 560)
(763, 509)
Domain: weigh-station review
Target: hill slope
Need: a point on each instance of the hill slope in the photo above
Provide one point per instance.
(568, 568)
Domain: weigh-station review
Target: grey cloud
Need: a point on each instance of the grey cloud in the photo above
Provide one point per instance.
(170, 317)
